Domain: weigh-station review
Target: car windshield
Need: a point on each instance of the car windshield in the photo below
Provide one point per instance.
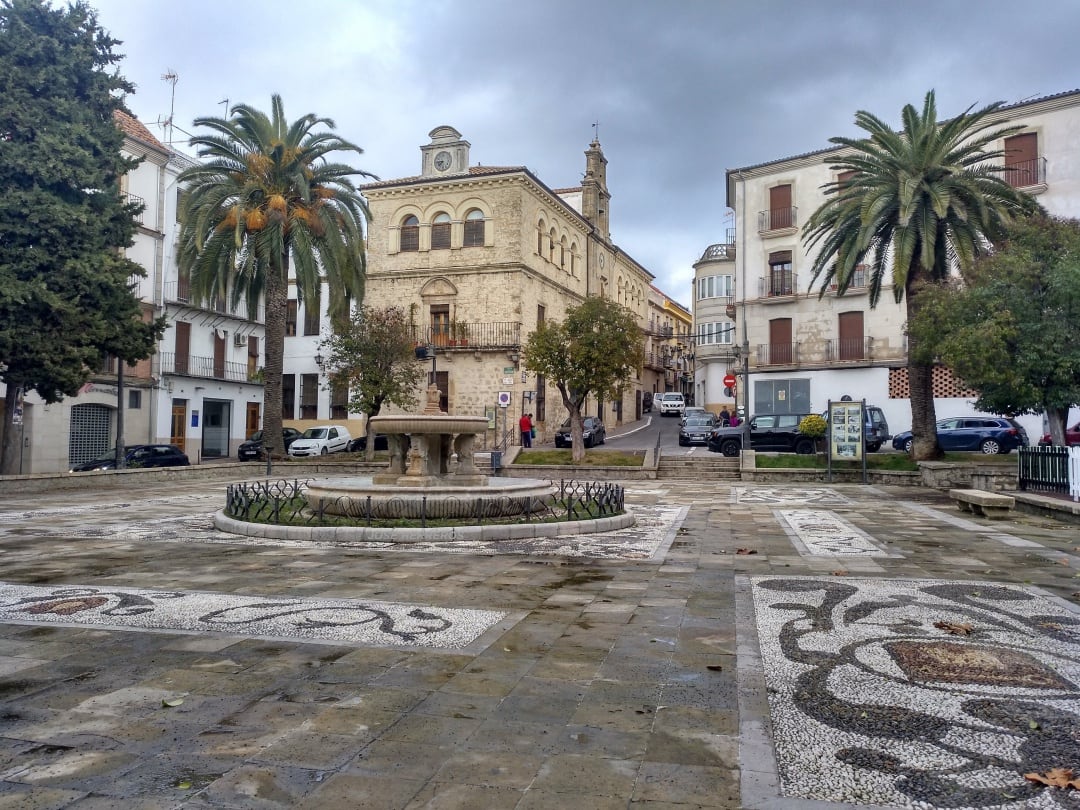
(256, 436)
(108, 455)
(700, 421)
(315, 433)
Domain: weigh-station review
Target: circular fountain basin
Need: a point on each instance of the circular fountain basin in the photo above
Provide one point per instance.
(415, 423)
(493, 497)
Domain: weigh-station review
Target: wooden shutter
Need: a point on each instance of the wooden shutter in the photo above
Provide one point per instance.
(1022, 159)
(851, 336)
(183, 346)
(780, 341)
(780, 207)
(219, 355)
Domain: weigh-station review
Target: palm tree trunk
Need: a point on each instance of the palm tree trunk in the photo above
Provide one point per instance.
(277, 307)
(9, 453)
(921, 392)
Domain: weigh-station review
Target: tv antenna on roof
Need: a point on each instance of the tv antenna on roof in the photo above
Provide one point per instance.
(170, 76)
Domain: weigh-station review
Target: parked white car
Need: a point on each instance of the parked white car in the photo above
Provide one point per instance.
(320, 440)
(670, 403)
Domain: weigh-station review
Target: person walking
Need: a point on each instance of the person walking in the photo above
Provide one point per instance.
(525, 426)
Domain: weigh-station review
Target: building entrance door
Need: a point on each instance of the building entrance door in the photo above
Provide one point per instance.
(216, 427)
(251, 420)
(178, 431)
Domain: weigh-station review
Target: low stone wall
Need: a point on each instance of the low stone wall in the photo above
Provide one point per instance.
(111, 480)
(988, 477)
(896, 478)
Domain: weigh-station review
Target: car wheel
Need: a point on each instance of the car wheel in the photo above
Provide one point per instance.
(804, 447)
(910, 443)
(874, 447)
(731, 448)
(990, 447)
(324, 451)
(682, 443)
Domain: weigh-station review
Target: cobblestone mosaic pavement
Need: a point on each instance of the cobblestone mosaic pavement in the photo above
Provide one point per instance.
(662, 668)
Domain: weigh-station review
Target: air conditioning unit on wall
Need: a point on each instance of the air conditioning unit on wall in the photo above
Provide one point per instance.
(239, 340)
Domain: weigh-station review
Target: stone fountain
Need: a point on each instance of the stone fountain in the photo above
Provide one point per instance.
(431, 469)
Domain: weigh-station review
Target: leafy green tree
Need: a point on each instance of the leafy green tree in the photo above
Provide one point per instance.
(265, 203)
(1011, 329)
(374, 356)
(64, 294)
(917, 205)
(597, 349)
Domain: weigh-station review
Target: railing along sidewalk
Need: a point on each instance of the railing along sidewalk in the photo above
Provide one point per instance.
(1050, 469)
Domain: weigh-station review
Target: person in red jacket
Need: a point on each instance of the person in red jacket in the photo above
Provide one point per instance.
(525, 426)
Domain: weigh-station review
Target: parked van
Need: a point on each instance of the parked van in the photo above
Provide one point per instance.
(671, 403)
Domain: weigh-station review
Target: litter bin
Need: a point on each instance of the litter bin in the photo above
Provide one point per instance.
(496, 460)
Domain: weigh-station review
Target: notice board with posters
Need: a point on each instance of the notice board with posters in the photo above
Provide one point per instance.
(847, 433)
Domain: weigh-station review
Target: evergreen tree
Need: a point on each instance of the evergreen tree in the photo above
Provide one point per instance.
(64, 295)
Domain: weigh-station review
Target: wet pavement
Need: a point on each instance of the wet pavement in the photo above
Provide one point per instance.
(743, 646)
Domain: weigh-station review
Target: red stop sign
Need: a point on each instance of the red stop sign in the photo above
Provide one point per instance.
(729, 380)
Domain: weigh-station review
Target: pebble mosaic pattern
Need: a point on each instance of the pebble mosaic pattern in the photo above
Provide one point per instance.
(342, 621)
(873, 700)
(817, 496)
(654, 526)
(823, 533)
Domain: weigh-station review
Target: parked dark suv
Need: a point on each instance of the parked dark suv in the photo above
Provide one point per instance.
(768, 431)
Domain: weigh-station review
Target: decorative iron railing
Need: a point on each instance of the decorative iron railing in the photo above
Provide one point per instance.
(206, 367)
(778, 218)
(285, 502)
(1026, 173)
(848, 349)
(496, 335)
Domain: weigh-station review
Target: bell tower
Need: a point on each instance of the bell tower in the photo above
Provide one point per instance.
(595, 198)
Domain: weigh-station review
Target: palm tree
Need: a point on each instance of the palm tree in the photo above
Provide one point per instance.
(264, 198)
(918, 204)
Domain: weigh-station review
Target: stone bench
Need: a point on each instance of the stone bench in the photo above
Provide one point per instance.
(987, 504)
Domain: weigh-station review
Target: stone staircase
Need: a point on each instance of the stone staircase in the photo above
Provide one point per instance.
(699, 466)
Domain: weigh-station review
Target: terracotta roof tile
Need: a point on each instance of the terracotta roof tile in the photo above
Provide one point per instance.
(136, 129)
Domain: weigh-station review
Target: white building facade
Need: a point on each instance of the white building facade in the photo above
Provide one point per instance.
(755, 313)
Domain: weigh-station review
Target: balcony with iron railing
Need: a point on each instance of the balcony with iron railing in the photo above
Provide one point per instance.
(655, 361)
(778, 284)
(721, 251)
(1026, 173)
(778, 219)
(494, 336)
(856, 284)
(209, 368)
(778, 354)
(846, 350)
(137, 200)
(179, 292)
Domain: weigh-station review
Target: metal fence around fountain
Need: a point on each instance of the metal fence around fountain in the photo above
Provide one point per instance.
(285, 502)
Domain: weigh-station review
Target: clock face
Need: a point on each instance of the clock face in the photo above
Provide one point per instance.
(442, 161)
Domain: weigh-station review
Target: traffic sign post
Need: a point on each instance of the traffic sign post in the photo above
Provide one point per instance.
(729, 380)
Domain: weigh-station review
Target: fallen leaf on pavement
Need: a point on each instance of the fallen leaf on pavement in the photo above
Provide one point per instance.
(1055, 777)
(955, 628)
(746, 551)
(840, 573)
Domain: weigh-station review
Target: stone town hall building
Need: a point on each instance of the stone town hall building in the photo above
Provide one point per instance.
(480, 255)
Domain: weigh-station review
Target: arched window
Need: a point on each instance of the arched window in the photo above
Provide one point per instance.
(410, 234)
(440, 232)
(573, 259)
(474, 228)
(551, 246)
(562, 253)
(540, 238)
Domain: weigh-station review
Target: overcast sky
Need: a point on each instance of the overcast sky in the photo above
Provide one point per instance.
(682, 89)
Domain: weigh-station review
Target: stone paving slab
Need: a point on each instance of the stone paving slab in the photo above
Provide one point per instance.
(629, 671)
